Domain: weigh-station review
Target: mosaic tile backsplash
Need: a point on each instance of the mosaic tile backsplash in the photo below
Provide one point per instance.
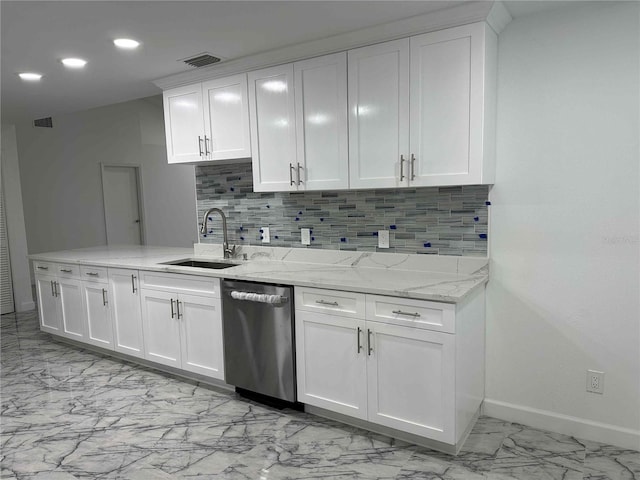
(434, 220)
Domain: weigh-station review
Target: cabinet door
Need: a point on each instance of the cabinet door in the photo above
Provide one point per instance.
(161, 327)
(126, 313)
(96, 305)
(273, 130)
(321, 122)
(72, 310)
(48, 304)
(226, 118)
(379, 115)
(447, 106)
(331, 363)
(411, 376)
(184, 124)
(201, 324)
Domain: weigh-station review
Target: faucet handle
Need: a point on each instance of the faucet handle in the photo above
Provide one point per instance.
(231, 251)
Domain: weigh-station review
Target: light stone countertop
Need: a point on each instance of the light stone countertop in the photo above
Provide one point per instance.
(425, 277)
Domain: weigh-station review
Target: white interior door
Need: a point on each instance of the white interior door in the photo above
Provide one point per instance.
(121, 206)
(6, 282)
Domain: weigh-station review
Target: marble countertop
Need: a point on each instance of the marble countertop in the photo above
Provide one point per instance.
(425, 277)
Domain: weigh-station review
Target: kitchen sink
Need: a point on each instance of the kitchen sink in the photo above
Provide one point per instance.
(201, 264)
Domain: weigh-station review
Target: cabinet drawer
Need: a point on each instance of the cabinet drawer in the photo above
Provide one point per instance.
(415, 313)
(44, 268)
(347, 304)
(95, 274)
(65, 270)
(180, 283)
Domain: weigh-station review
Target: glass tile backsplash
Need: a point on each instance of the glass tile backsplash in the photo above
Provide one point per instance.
(433, 220)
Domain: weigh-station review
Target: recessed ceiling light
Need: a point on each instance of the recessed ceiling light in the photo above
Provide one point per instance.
(30, 76)
(74, 62)
(126, 43)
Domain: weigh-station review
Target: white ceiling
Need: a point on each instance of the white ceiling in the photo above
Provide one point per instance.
(35, 35)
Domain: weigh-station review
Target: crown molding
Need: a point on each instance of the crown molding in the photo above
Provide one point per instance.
(449, 17)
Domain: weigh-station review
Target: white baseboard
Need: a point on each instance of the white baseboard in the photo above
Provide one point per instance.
(564, 424)
(26, 306)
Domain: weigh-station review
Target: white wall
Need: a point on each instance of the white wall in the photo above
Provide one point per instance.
(61, 179)
(564, 290)
(17, 237)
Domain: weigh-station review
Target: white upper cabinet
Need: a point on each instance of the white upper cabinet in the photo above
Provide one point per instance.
(452, 106)
(299, 125)
(321, 122)
(184, 124)
(422, 110)
(378, 114)
(226, 118)
(207, 122)
(273, 129)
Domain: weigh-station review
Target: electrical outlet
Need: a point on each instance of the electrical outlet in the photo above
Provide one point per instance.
(305, 234)
(595, 381)
(383, 238)
(266, 235)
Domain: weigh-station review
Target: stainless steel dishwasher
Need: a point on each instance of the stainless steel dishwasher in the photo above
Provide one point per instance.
(258, 331)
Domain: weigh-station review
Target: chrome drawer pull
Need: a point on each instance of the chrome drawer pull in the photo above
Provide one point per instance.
(42, 268)
(409, 314)
(291, 174)
(133, 283)
(65, 270)
(324, 302)
(173, 314)
(92, 274)
(104, 297)
(402, 175)
(369, 341)
(178, 309)
(53, 292)
(359, 345)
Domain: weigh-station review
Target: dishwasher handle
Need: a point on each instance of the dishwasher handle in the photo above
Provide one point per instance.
(259, 297)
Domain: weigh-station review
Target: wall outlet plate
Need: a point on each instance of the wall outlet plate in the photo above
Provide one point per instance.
(595, 381)
(305, 234)
(266, 235)
(383, 238)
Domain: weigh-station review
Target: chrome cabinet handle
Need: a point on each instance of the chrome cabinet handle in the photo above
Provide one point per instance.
(92, 274)
(53, 292)
(359, 345)
(206, 145)
(291, 174)
(370, 348)
(299, 167)
(56, 292)
(402, 175)
(413, 167)
(66, 270)
(42, 268)
(172, 312)
(200, 145)
(324, 302)
(133, 283)
(178, 309)
(408, 314)
(104, 298)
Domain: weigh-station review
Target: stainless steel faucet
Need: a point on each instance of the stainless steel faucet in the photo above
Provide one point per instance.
(228, 252)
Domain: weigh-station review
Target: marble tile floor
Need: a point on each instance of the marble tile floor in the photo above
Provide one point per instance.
(67, 413)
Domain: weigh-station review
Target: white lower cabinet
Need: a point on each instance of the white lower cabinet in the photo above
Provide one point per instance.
(60, 300)
(183, 329)
(48, 304)
(96, 304)
(331, 363)
(397, 373)
(411, 375)
(126, 313)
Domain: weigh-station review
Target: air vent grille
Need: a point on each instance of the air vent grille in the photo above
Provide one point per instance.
(43, 122)
(201, 60)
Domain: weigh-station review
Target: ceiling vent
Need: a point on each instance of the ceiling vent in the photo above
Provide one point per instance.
(200, 60)
(43, 122)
